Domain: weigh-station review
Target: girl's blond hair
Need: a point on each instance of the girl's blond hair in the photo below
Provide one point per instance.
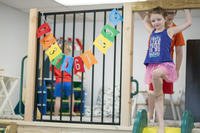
(158, 10)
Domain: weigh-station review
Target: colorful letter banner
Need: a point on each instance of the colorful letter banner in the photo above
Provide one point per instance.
(53, 51)
(88, 59)
(115, 17)
(43, 29)
(47, 41)
(102, 43)
(67, 63)
(58, 61)
(78, 65)
(109, 32)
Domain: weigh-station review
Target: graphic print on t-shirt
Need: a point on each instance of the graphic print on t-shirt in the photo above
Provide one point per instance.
(154, 48)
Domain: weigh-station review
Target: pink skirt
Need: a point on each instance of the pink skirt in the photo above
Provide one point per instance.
(168, 68)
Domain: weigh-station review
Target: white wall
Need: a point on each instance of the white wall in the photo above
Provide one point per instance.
(13, 42)
(14, 39)
(140, 47)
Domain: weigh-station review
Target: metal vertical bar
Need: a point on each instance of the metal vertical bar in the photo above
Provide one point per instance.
(52, 76)
(73, 48)
(63, 48)
(37, 70)
(73, 34)
(114, 74)
(92, 72)
(42, 89)
(83, 38)
(62, 86)
(121, 58)
(103, 79)
(93, 50)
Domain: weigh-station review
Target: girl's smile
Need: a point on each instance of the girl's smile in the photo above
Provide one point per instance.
(157, 21)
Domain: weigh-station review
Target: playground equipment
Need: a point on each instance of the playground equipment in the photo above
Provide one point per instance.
(19, 109)
(140, 124)
(137, 87)
(133, 94)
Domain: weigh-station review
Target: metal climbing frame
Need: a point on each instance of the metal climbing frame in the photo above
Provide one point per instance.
(85, 25)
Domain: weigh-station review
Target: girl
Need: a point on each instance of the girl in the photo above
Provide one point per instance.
(159, 64)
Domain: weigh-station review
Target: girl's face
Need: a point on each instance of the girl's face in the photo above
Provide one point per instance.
(157, 21)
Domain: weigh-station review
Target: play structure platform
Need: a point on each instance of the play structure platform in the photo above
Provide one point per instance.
(140, 124)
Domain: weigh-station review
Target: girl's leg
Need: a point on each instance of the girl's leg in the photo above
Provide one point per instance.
(157, 79)
(57, 106)
(159, 106)
(151, 105)
(72, 102)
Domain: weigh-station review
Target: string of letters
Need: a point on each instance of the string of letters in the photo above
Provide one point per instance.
(65, 62)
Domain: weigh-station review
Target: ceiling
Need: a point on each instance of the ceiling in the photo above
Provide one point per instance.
(49, 5)
(52, 6)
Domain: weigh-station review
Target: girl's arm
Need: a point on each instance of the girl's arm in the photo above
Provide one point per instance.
(146, 20)
(188, 22)
(179, 57)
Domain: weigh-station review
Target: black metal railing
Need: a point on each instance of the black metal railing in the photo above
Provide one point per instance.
(97, 86)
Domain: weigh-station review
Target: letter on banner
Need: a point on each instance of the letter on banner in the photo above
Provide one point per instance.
(88, 59)
(115, 17)
(47, 41)
(58, 61)
(43, 29)
(78, 65)
(102, 43)
(109, 32)
(67, 64)
(53, 51)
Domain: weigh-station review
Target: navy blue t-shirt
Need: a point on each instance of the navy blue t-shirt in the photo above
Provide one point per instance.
(159, 48)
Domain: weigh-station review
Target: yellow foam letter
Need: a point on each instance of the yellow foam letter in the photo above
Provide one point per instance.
(53, 51)
(102, 43)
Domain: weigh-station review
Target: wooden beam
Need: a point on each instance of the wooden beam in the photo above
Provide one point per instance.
(127, 65)
(31, 65)
(10, 127)
(181, 4)
(166, 4)
(147, 5)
